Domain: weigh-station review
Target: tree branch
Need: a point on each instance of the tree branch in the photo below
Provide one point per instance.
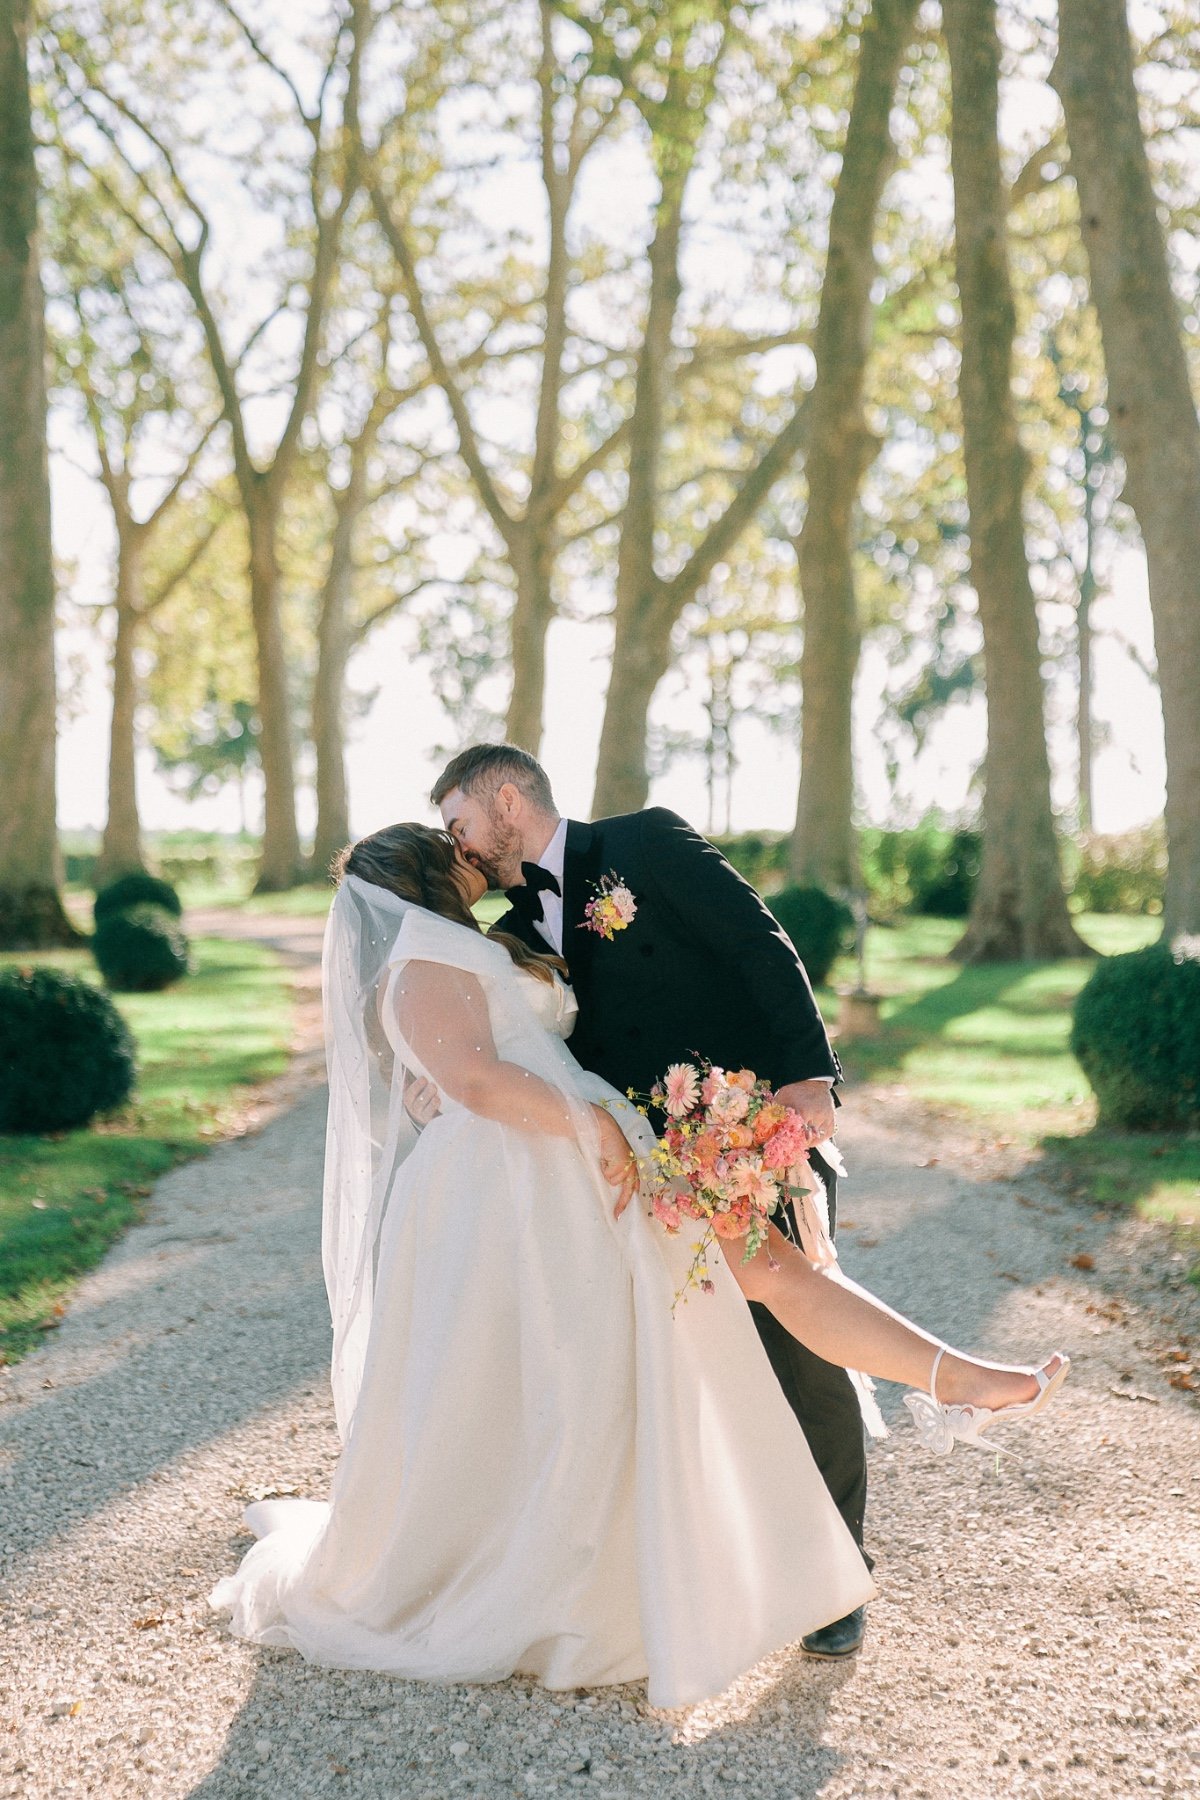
(468, 442)
(184, 569)
(724, 532)
(268, 61)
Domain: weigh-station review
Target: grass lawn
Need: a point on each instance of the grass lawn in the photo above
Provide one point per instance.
(63, 1200)
(988, 1044)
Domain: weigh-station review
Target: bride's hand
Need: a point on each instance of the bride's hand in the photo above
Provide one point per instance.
(617, 1161)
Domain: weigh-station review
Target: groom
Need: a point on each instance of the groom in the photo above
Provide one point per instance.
(696, 966)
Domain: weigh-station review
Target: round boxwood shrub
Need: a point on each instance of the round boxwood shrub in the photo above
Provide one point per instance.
(140, 950)
(65, 1052)
(1136, 1032)
(819, 926)
(136, 889)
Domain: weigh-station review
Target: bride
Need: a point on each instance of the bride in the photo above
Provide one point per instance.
(543, 1471)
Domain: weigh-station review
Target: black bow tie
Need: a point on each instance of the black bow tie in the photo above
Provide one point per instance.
(527, 900)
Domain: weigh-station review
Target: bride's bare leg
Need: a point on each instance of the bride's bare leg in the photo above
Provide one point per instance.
(845, 1324)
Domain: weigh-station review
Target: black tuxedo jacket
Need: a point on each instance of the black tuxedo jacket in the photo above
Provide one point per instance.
(703, 970)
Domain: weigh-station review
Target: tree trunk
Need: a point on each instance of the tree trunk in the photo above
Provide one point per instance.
(533, 563)
(1083, 637)
(31, 911)
(334, 643)
(1151, 405)
(641, 658)
(1020, 909)
(641, 647)
(280, 867)
(823, 849)
(121, 850)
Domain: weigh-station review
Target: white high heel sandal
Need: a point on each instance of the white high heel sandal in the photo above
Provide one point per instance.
(939, 1427)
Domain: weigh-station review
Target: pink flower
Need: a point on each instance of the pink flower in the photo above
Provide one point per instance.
(682, 1086)
(624, 904)
(786, 1146)
(729, 1106)
(667, 1214)
(745, 1079)
(711, 1086)
(743, 1175)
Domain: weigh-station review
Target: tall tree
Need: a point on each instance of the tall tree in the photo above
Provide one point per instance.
(124, 362)
(840, 447)
(167, 208)
(1151, 404)
(31, 911)
(674, 90)
(1020, 908)
(525, 503)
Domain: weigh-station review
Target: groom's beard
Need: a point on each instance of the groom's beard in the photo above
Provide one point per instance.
(499, 860)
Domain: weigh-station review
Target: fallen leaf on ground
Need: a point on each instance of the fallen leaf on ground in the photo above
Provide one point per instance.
(1186, 1379)
(149, 1622)
(1083, 1261)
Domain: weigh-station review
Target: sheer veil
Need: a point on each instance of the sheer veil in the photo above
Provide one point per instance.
(367, 1136)
(479, 1004)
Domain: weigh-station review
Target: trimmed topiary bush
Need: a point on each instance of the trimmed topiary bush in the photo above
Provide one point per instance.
(819, 926)
(141, 950)
(1136, 1032)
(66, 1054)
(136, 889)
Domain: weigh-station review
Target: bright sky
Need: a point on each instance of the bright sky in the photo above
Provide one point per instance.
(392, 758)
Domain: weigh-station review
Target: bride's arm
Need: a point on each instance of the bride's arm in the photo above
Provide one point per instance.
(443, 1015)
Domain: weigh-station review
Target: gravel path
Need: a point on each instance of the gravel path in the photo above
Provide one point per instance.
(1036, 1634)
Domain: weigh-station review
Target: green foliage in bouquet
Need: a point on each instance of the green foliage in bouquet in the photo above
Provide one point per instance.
(141, 950)
(66, 1054)
(136, 889)
(820, 927)
(1136, 1033)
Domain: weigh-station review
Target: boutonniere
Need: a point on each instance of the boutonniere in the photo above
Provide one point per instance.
(611, 908)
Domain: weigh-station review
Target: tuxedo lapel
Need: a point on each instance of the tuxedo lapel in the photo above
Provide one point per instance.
(581, 872)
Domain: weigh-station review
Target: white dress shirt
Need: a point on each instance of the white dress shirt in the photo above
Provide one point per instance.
(552, 858)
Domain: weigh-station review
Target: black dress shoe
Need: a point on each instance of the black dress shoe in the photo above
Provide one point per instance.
(842, 1638)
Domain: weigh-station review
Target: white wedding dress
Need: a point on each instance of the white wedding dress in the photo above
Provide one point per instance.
(544, 1471)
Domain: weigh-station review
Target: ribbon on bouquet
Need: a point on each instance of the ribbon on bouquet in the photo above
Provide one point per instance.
(811, 1207)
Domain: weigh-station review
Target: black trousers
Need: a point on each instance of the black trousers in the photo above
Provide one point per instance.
(823, 1399)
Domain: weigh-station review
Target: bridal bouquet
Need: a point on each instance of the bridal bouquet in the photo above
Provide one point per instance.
(730, 1154)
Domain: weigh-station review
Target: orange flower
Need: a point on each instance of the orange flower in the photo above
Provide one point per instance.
(729, 1225)
(705, 1149)
(745, 1079)
(739, 1137)
(769, 1119)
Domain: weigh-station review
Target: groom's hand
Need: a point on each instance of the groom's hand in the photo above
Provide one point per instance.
(813, 1100)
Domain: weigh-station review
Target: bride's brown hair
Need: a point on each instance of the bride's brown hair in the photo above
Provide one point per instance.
(417, 863)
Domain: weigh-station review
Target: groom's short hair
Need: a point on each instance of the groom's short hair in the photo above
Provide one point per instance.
(484, 768)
